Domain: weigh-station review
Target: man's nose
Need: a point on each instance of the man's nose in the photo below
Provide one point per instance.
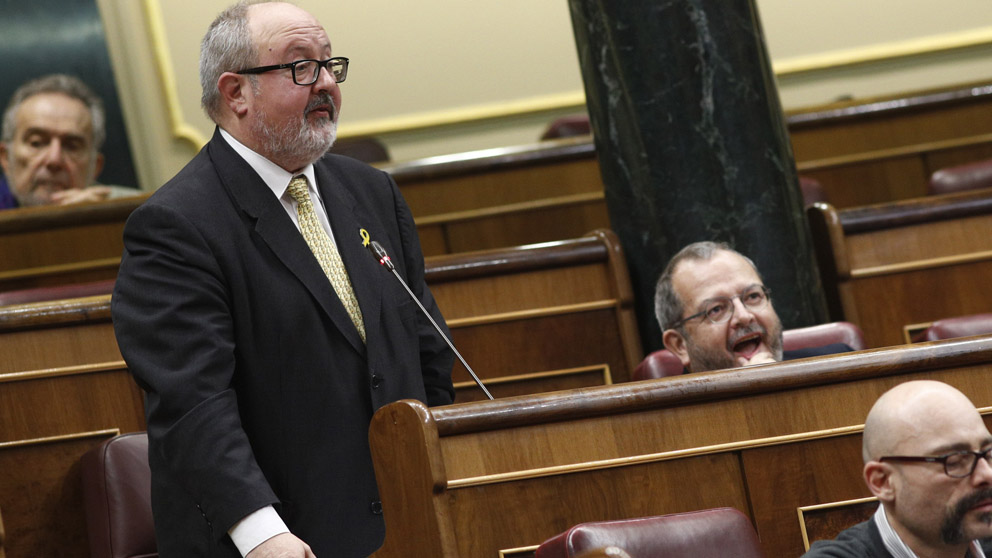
(982, 473)
(325, 80)
(742, 314)
(54, 155)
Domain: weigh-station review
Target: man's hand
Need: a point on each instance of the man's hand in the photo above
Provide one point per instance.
(285, 545)
(760, 357)
(80, 195)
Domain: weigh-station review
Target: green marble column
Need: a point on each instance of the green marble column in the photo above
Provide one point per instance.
(692, 144)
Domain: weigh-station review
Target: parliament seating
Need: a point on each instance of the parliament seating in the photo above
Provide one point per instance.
(970, 176)
(3, 553)
(960, 326)
(663, 363)
(496, 478)
(57, 292)
(117, 498)
(894, 268)
(567, 127)
(701, 534)
(539, 317)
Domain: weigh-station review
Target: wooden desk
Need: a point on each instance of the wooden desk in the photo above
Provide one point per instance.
(888, 266)
(63, 390)
(471, 480)
(48, 246)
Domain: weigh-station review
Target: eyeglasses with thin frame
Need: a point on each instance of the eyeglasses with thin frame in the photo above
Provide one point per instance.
(958, 464)
(720, 309)
(306, 72)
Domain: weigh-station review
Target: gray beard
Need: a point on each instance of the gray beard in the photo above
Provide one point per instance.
(301, 143)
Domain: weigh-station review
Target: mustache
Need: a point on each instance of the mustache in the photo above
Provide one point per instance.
(951, 531)
(743, 332)
(322, 100)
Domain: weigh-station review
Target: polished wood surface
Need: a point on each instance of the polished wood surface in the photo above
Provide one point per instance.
(63, 390)
(48, 246)
(469, 480)
(889, 266)
(536, 317)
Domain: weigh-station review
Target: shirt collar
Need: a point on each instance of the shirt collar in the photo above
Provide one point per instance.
(274, 176)
(897, 548)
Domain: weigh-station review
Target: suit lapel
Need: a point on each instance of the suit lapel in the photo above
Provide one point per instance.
(276, 229)
(347, 219)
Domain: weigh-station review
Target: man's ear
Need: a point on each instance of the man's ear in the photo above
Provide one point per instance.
(879, 478)
(676, 343)
(4, 162)
(234, 93)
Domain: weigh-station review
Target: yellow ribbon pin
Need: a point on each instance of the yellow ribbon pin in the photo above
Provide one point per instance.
(365, 237)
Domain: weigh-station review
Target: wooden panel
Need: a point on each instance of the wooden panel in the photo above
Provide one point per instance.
(869, 182)
(826, 521)
(41, 495)
(544, 343)
(535, 382)
(467, 480)
(889, 266)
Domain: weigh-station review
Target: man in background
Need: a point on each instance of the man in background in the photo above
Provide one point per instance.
(262, 330)
(53, 129)
(715, 311)
(926, 458)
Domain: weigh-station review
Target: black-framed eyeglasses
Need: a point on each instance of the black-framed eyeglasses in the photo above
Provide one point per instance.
(305, 72)
(958, 464)
(718, 310)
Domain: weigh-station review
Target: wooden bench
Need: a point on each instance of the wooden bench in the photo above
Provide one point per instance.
(63, 389)
(894, 268)
(49, 246)
(496, 478)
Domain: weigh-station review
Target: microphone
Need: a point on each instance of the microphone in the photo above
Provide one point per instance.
(380, 253)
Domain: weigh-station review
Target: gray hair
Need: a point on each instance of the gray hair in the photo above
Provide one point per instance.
(66, 85)
(227, 47)
(668, 307)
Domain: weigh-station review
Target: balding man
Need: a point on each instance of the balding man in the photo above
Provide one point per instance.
(53, 129)
(263, 331)
(926, 453)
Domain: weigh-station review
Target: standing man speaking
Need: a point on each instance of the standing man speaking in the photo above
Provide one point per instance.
(249, 311)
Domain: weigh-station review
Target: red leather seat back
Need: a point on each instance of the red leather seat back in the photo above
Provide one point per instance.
(663, 363)
(972, 176)
(42, 294)
(117, 498)
(568, 126)
(712, 533)
(961, 326)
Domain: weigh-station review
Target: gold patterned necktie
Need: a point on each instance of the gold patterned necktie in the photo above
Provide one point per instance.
(325, 251)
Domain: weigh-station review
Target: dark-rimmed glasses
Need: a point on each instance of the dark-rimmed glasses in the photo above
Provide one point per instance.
(958, 464)
(721, 308)
(305, 72)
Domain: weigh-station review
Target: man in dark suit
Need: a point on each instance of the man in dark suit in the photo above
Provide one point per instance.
(262, 357)
(715, 311)
(926, 458)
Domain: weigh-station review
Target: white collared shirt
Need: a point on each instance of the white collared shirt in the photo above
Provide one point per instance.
(897, 548)
(277, 179)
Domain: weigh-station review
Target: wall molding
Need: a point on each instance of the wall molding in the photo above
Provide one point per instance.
(570, 100)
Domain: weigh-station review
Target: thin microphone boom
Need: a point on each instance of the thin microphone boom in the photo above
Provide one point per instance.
(380, 253)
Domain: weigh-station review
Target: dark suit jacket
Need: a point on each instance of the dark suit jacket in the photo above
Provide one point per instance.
(259, 389)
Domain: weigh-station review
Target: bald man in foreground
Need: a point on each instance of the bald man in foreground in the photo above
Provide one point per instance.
(926, 453)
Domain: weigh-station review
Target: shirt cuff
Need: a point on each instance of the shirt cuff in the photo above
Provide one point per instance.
(256, 528)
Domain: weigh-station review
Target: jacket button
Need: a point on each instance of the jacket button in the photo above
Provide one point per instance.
(377, 507)
(376, 381)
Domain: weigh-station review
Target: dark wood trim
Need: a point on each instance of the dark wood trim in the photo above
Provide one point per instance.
(713, 386)
(27, 219)
(914, 211)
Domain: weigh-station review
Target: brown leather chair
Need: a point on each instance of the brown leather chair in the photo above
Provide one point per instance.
(365, 149)
(972, 176)
(568, 126)
(117, 498)
(663, 363)
(703, 534)
(60, 292)
(812, 191)
(961, 326)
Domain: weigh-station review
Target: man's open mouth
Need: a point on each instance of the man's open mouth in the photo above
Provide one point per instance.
(748, 345)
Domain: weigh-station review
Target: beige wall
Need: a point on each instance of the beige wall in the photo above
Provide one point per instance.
(441, 76)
